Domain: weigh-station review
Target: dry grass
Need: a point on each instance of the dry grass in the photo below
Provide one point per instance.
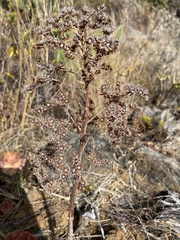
(148, 54)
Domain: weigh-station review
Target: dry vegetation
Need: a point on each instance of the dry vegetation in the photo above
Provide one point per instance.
(148, 54)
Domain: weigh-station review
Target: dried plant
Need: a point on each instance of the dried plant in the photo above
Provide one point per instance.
(86, 37)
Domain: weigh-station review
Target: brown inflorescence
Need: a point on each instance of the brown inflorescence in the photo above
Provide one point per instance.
(76, 35)
(119, 107)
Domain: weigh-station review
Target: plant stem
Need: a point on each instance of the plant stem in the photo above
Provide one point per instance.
(83, 142)
(71, 210)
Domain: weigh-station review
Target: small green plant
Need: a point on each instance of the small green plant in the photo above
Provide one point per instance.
(84, 37)
(146, 119)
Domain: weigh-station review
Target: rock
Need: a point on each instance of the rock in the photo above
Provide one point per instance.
(34, 195)
(158, 169)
